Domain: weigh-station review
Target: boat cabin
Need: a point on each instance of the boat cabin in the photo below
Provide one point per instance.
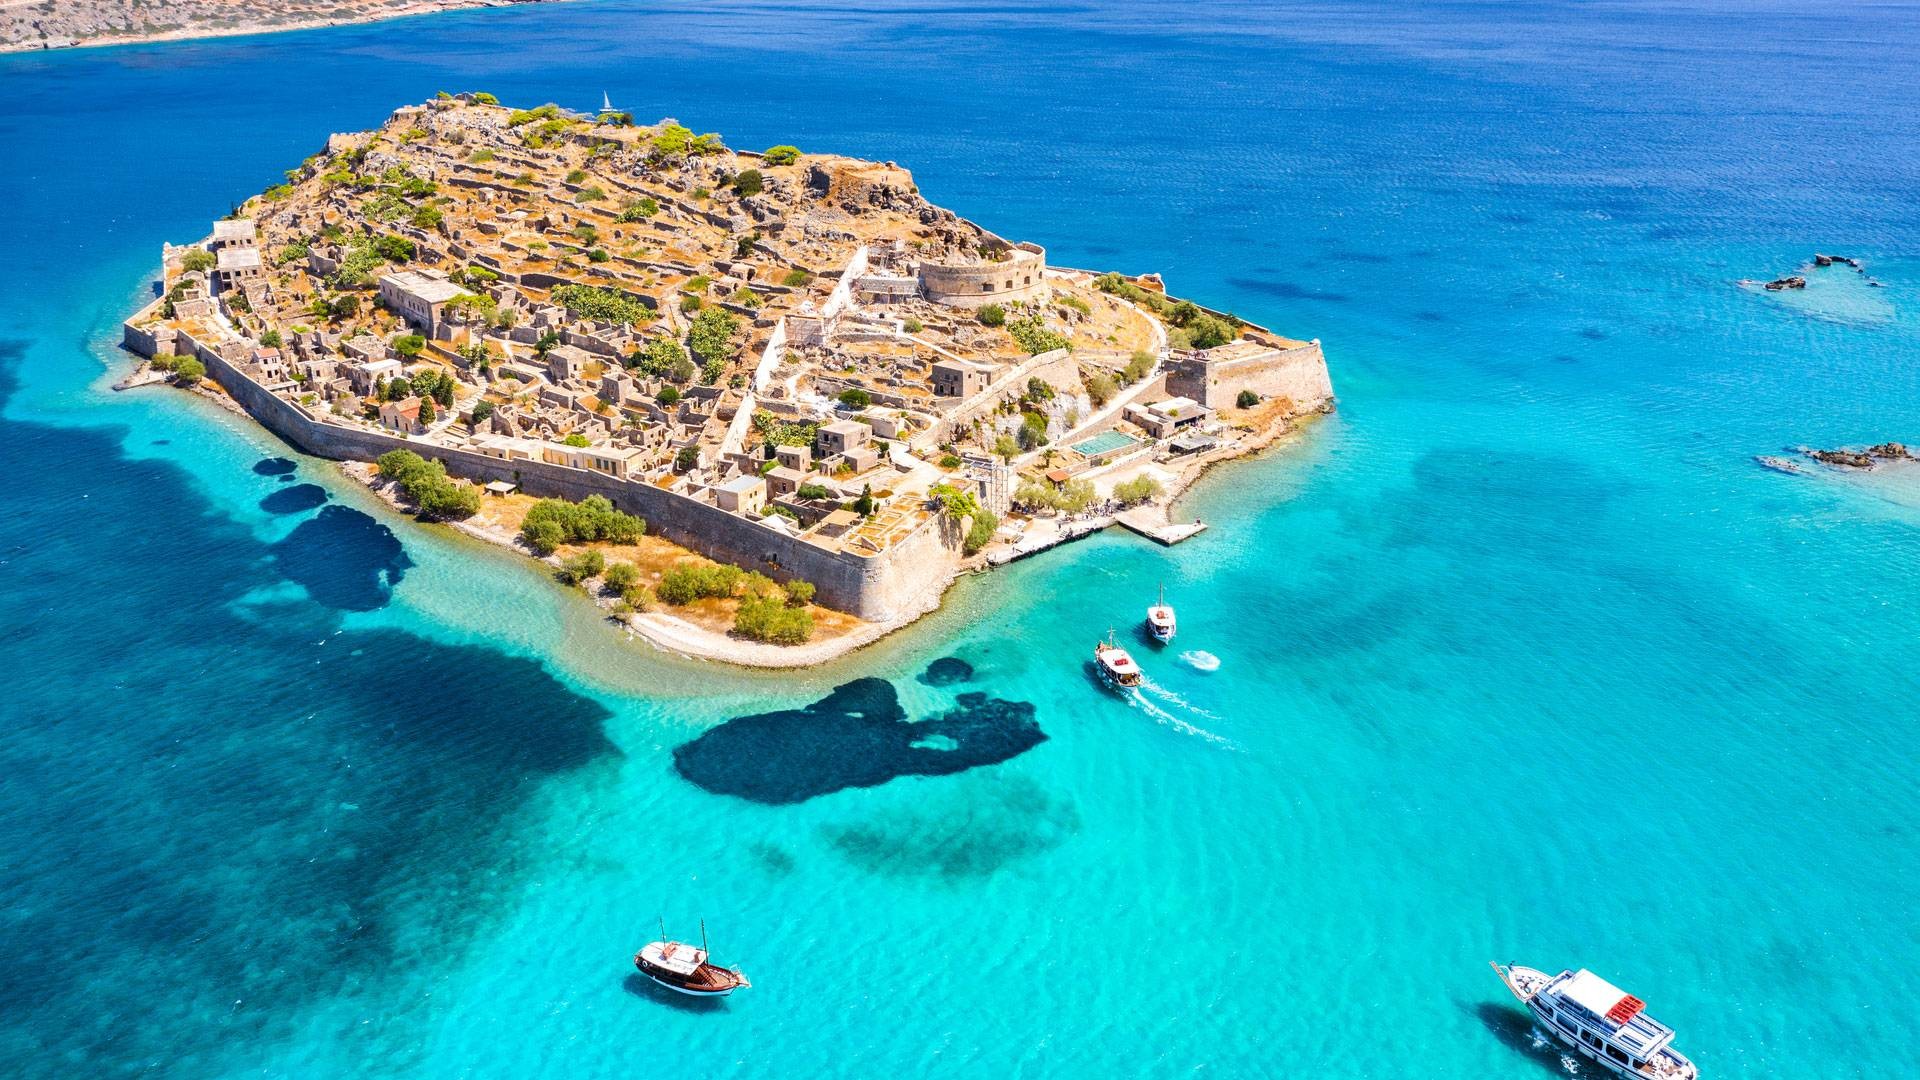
(1607, 1019)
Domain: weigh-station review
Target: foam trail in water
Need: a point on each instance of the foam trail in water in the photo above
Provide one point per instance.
(1171, 698)
(1200, 660)
(1139, 700)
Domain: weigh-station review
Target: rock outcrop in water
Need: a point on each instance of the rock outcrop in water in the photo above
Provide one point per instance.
(1863, 459)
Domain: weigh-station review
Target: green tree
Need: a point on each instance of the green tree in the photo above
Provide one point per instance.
(482, 412)
(711, 337)
(197, 259)
(669, 397)
(864, 504)
(980, 532)
(813, 491)
(427, 415)
(749, 182)
(855, 398)
(1247, 399)
(1101, 388)
(781, 155)
(188, 371)
(687, 458)
(1137, 490)
(766, 618)
(576, 439)
(409, 345)
(799, 593)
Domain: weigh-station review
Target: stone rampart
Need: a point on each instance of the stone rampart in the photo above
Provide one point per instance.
(1021, 276)
(874, 586)
(1298, 374)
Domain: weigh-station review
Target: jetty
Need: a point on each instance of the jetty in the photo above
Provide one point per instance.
(1142, 521)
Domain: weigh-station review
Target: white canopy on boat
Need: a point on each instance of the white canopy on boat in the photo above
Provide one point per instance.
(675, 957)
(1592, 993)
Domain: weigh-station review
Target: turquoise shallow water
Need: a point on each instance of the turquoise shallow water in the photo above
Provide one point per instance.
(1520, 656)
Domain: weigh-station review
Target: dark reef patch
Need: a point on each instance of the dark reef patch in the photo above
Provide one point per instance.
(966, 835)
(1430, 316)
(1287, 290)
(295, 499)
(344, 559)
(856, 736)
(274, 466)
(244, 816)
(1593, 333)
(947, 671)
(1513, 219)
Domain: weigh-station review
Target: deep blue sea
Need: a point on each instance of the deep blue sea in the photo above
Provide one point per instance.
(1520, 655)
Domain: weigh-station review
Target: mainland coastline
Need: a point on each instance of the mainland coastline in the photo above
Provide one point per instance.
(74, 24)
(764, 407)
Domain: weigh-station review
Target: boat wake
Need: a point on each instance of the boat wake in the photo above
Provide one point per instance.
(1141, 697)
(1200, 660)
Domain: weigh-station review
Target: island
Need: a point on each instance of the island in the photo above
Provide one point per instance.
(45, 24)
(764, 406)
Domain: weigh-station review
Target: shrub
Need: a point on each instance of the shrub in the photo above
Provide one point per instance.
(188, 371)
(991, 315)
(577, 176)
(482, 412)
(1247, 399)
(396, 249)
(602, 305)
(659, 358)
(426, 484)
(980, 533)
(687, 458)
(766, 618)
(669, 396)
(1207, 332)
(1034, 337)
(482, 156)
(484, 98)
(577, 568)
(796, 278)
(598, 255)
(291, 253)
(1137, 490)
(271, 339)
(1101, 388)
(855, 398)
(409, 344)
(749, 182)
(638, 598)
(197, 259)
(1074, 303)
(685, 584)
(576, 440)
(781, 155)
(799, 593)
(645, 208)
(1137, 367)
(711, 337)
(552, 522)
(912, 326)
(950, 461)
(813, 491)
(621, 577)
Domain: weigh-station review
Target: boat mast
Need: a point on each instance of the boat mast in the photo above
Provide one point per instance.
(703, 936)
(663, 928)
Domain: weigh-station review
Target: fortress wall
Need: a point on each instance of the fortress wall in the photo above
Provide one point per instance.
(1298, 374)
(873, 587)
(1021, 277)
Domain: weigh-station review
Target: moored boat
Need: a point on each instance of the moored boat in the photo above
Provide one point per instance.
(1160, 620)
(1116, 665)
(684, 969)
(1609, 1026)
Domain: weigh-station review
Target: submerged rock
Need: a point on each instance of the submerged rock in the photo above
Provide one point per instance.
(856, 736)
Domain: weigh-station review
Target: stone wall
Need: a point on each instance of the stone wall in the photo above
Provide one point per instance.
(872, 586)
(971, 285)
(1298, 374)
